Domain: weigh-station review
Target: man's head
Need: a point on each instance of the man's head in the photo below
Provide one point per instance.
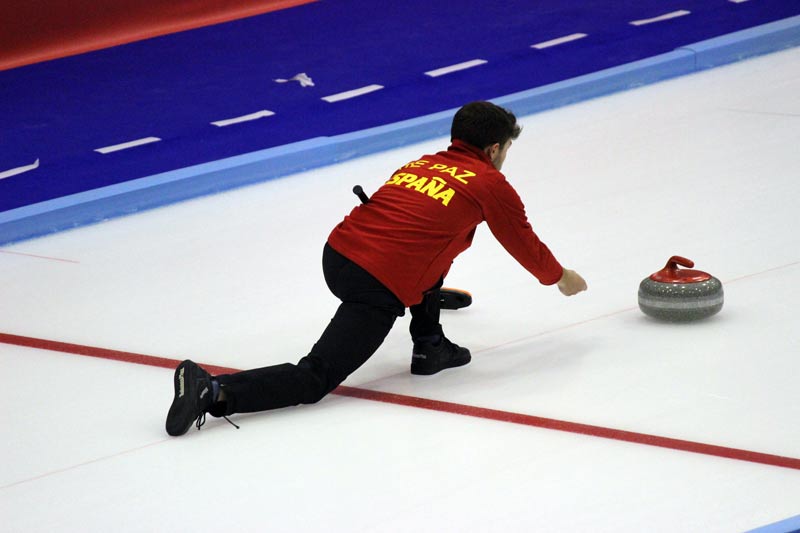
(488, 127)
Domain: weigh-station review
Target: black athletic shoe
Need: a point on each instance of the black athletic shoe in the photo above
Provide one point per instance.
(193, 397)
(428, 358)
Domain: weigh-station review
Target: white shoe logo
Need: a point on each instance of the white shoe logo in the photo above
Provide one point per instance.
(180, 383)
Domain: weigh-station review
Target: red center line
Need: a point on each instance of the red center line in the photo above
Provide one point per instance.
(39, 256)
(767, 271)
(440, 406)
(621, 311)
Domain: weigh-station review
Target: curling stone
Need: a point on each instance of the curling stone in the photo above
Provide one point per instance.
(680, 295)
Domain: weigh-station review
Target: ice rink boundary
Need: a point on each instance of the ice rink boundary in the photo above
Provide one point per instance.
(167, 188)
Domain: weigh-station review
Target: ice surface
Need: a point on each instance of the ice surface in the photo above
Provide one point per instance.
(704, 166)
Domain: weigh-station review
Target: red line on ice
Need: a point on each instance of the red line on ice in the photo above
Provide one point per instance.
(437, 405)
(39, 256)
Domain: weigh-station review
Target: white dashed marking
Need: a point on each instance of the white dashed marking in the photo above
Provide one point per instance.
(244, 118)
(455, 68)
(352, 94)
(660, 18)
(125, 146)
(560, 40)
(19, 170)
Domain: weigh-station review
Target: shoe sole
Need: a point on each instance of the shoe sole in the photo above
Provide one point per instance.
(454, 298)
(429, 372)
(188, 369)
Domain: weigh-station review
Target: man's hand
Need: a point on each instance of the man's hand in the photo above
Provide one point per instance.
(571, 283)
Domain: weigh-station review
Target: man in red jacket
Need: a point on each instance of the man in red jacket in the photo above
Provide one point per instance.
(389, 254)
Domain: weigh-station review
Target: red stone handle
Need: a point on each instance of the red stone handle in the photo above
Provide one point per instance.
(676, 260)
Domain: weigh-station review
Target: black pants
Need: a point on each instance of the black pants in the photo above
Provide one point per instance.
(362, 321)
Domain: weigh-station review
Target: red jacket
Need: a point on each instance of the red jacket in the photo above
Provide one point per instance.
(425, 215)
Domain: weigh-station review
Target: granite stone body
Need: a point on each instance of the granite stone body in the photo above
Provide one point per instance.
(679, 295)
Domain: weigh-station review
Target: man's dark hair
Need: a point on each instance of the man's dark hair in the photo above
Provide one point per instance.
(482, 124)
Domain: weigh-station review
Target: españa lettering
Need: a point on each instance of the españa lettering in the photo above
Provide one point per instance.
(433, 186)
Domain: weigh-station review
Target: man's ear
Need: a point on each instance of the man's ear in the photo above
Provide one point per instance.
(492, 150)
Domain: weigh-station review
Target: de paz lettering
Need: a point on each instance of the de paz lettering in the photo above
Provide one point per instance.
(434, 186)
